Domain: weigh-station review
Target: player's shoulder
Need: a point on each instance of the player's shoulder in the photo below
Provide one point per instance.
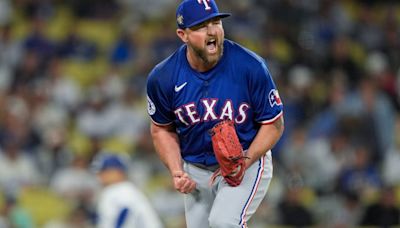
(249, 61)
(238, 51)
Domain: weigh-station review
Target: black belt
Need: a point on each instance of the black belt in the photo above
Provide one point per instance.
(212, 168)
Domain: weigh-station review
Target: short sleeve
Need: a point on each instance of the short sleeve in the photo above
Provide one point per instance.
(266, 101)
(159, 100)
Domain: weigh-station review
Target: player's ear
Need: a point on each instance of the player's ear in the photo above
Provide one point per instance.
(182, 35)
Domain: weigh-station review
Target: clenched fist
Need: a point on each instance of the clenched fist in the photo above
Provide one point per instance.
(183, 183)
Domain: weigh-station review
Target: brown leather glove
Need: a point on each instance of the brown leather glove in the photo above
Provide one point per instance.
(229, 152)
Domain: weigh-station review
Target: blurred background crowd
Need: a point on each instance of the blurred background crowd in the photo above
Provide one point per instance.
(72, 83)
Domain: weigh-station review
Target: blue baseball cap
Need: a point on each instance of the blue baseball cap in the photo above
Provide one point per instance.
(193, 12)
(106, 161)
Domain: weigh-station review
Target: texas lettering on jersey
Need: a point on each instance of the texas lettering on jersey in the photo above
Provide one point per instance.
(188, 114)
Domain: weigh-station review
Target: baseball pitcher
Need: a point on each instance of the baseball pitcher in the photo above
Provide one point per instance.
(216, 114)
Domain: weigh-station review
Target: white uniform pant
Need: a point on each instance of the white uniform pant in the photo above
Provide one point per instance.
(223, 206)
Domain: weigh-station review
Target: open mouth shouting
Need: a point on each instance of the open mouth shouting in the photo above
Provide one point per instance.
(212, 46)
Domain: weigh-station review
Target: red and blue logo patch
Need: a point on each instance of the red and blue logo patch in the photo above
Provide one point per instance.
(274, 98)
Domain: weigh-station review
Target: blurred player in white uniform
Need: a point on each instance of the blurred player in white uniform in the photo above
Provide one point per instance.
(121, 204)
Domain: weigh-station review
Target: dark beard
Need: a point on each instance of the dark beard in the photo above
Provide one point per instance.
(203, 55)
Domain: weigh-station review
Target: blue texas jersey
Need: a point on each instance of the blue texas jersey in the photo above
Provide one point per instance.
(239, 87)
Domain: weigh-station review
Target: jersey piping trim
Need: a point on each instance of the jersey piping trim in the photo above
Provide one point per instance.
(160, 124)
(270, 121)
(242, 221)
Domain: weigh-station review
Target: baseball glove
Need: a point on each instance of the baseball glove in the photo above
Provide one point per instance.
(229, 153)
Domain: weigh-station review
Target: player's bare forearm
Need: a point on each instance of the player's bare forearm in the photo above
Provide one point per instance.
(166, 143)
(267, 136)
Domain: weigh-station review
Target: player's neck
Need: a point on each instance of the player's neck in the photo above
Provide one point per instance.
(198, 63)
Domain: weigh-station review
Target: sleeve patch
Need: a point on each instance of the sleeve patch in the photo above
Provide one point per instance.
(151, 108)
(274, 98)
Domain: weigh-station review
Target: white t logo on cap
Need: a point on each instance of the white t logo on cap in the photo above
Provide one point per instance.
(205, 3)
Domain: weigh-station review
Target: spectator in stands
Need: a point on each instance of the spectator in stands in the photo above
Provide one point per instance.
(367, 29)
(16, 124)
(362, 177)
(98, 119)
(346, 211)
(54, 154)
(124, 50)
(17, 169)
(11, 48)
(390, 164)
(27, 73)
(75, 47)
(75, 182)
(37, 41)
(384, 213)
(339, 59)
(292, 212)
(62, 89)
